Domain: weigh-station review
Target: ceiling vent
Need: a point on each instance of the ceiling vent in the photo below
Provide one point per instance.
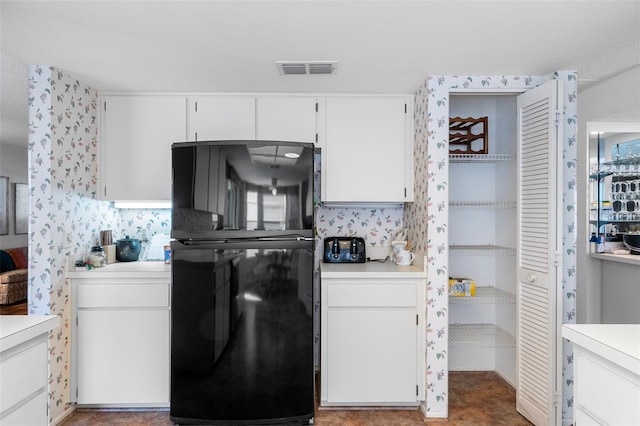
(307, 68)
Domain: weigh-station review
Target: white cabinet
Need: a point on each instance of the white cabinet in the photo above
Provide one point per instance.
(368, 152)
(482, 241)
(24, 359)
(370, 341)
(136, 138)
(286, 118)
(366, 141)
(122, 341)
(220, 117)
(606, 373)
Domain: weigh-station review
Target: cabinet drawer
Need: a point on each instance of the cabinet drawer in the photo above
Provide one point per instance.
(123, 296)
(32, 413)
(595, 380)
(23, 374)
(368, 295)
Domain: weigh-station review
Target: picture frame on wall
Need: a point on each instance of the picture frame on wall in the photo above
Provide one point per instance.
(21, 206)
(4, 205)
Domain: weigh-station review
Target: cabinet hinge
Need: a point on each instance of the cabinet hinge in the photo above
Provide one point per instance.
(556, 259)
(557, 398)
(558, 117)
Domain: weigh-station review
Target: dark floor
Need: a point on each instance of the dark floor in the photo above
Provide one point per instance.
(475, 398)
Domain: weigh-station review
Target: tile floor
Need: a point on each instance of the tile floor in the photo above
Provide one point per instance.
(475, 399)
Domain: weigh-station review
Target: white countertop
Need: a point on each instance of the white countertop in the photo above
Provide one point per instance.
(149, 269)
(631, 259)
(387, 269)
(619, 343)
(17, 329)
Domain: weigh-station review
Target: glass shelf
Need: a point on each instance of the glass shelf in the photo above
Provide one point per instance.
(624, 161)
(603, 174)
(479, 158)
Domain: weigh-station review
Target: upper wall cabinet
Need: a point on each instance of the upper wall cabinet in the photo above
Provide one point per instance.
(368, 152)
(366, 141)
(286, 118)
(222, 117)
(136, 138)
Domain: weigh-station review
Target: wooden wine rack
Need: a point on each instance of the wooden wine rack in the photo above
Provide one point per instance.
(468, 135)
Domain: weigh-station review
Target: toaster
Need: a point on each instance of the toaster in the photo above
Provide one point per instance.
(344, 250)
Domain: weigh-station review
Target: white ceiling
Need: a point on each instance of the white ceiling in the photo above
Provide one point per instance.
(381, 46)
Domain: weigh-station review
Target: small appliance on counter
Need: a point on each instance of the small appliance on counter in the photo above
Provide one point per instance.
(344, 250)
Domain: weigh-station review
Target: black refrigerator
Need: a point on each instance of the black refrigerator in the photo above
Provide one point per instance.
(242, 283)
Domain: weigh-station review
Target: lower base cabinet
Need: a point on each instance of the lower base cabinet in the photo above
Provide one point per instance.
(605, 393)
(24, 372)
(606, 373)
(369, 342)
(123, 349)
(123, 357)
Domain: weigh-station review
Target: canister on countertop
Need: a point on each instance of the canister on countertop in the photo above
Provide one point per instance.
(96, 257)
(110, 253)
(128, 249)
(106, 241)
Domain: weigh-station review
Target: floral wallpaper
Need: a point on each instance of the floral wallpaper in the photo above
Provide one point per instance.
(427, 217)
(142, 223)
(569, 81)
(65, 218)
(376, 226)
(63, 215)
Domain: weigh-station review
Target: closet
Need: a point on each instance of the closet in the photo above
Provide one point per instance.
(483, 239)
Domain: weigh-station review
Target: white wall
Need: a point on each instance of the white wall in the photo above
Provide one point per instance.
(13, 164)
(616, 99)
(13, 136)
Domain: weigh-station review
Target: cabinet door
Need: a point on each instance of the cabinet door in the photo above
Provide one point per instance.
(286, 118)
(369, 342)
(371, 355)
(137, 135)
(123, 356)
(222, 118)
(364, 158)
(539, 299)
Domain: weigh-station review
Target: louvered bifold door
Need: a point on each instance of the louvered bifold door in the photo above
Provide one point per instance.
(538, 248)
